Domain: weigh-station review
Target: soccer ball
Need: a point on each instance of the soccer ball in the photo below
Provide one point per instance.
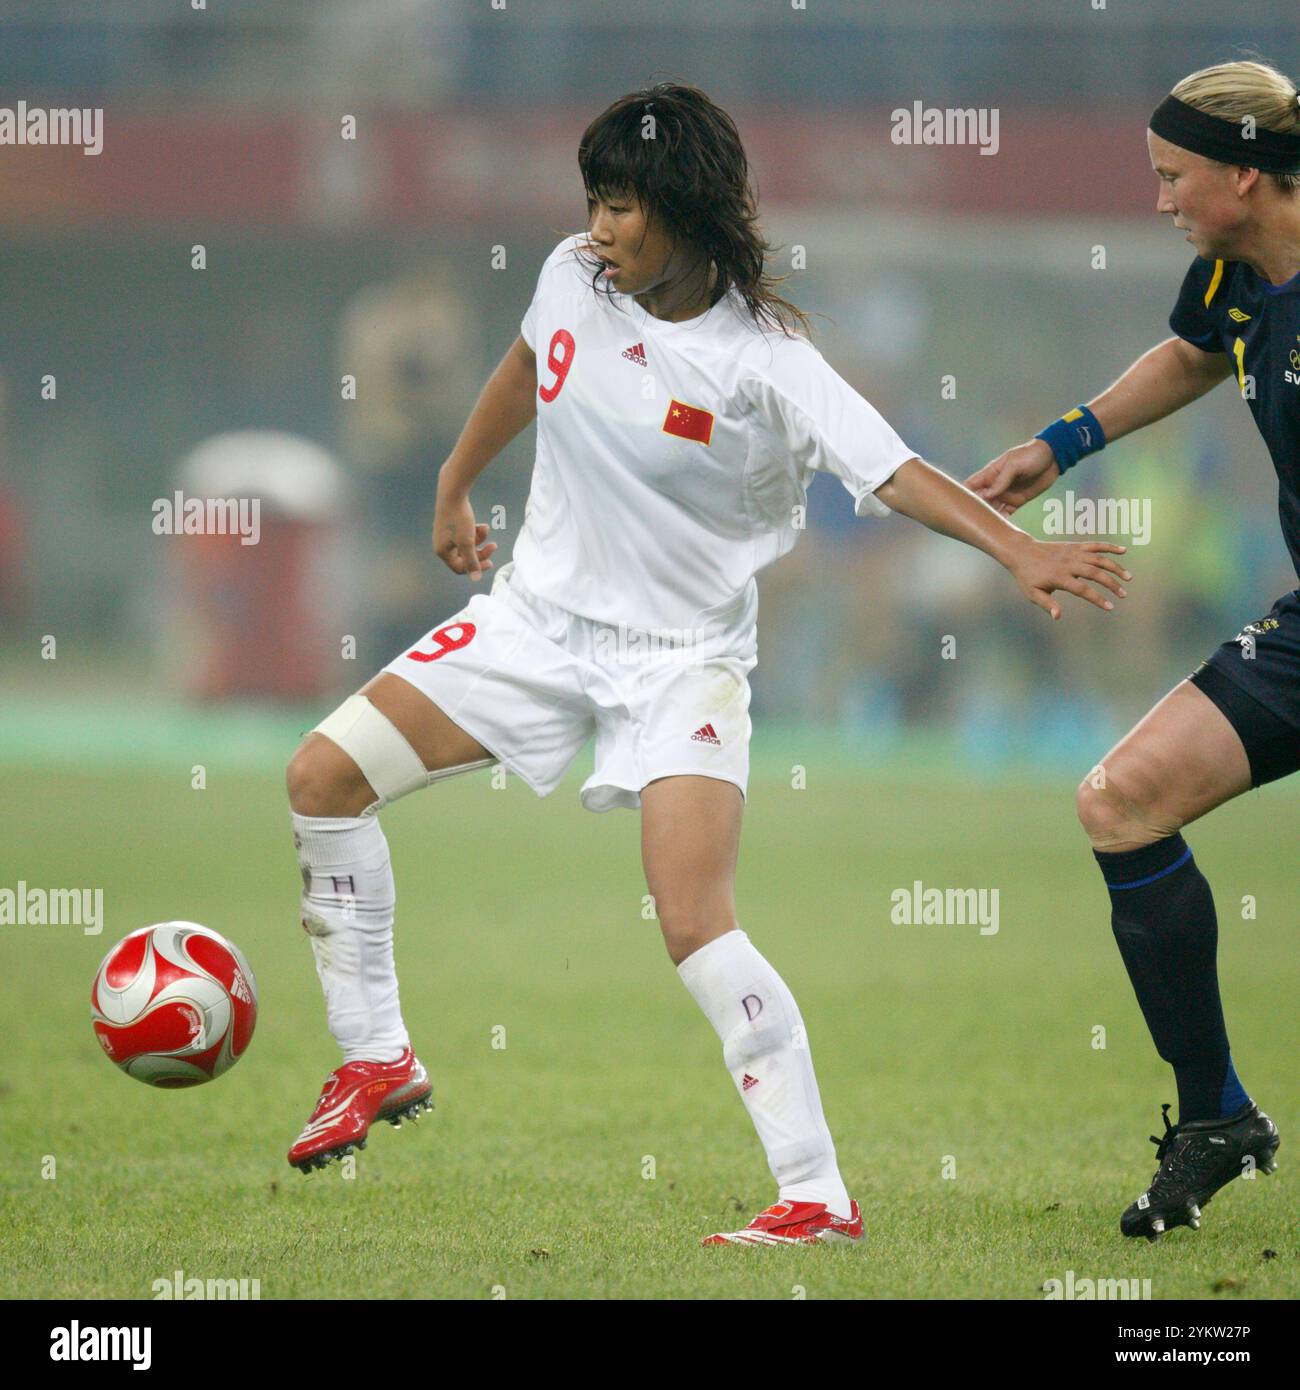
(174, 1004)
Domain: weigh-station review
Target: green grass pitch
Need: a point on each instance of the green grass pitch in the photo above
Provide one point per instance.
(586, 1157)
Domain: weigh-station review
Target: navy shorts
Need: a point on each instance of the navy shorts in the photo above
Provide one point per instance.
(1255, 682)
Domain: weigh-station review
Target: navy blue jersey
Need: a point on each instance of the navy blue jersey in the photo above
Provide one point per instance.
(1225, 307)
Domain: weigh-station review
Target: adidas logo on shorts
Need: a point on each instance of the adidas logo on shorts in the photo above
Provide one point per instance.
(705, 734)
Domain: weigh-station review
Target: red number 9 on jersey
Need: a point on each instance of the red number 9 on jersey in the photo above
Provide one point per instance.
(559, 365)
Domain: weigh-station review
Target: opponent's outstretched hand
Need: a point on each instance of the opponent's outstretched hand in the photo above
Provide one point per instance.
(1016, 476)
(1043, 568)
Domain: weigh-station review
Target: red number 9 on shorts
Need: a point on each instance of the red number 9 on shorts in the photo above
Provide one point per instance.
(444, 642)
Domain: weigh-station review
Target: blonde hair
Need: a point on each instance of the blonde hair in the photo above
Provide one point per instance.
(1233, 91)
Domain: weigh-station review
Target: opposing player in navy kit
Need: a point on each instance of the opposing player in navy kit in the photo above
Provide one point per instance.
(1226, 147)
(680, 421)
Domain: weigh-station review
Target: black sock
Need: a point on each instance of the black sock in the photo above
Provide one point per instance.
(1162, 914)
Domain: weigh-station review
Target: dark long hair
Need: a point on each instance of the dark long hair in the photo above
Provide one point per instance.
(687, 167)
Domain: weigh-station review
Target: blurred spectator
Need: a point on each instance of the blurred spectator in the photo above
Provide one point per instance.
(414, 347)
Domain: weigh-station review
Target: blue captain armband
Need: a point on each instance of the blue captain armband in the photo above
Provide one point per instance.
(1074, 436)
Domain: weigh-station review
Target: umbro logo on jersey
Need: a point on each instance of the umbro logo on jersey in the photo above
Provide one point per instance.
(705, 734)
(1237, 316)
(748, 1082)
(636, 354)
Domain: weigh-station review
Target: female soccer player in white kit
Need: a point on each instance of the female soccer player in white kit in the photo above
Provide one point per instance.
(680, 420)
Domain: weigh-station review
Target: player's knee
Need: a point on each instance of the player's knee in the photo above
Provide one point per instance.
(688, 925)
(1120, 814)
(323, 781)
(1097, 813)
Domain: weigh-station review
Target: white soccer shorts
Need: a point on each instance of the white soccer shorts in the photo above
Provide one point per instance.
(533, 683)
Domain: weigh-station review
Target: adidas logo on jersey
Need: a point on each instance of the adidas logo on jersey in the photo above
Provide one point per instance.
(748, 1082)
(636, 354)
(705, 734)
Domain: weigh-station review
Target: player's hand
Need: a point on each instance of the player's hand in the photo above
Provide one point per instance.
(1016, 476)
(457, 541)
(1043, 568)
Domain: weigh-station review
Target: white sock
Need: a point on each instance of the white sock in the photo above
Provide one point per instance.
(766, 1051)
(348, 902)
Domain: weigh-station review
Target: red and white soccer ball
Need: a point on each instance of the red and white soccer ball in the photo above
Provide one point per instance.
(174, 1004)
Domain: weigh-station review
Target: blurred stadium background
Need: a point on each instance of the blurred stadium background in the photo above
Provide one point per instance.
(374, 257)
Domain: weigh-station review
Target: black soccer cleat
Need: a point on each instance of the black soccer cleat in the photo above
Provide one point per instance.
(1196, 1160)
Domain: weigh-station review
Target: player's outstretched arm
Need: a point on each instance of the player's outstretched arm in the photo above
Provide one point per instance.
(505, 406)
(1041, 568)
(1173, 374)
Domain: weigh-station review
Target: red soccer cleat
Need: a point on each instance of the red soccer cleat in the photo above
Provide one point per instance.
(794, 1223)
(355, 1097)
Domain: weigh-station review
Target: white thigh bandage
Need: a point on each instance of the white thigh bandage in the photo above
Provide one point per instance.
(387, 761)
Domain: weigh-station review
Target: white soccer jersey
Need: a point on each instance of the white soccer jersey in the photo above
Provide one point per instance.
(671, 457)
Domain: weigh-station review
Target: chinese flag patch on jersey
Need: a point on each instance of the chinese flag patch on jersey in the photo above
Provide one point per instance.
(688, 422)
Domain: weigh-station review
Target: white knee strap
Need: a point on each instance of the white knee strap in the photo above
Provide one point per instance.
(376, 745)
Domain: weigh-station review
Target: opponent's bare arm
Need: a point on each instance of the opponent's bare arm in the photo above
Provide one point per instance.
(1039, 567)
(1171, 375)
(505, 406)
